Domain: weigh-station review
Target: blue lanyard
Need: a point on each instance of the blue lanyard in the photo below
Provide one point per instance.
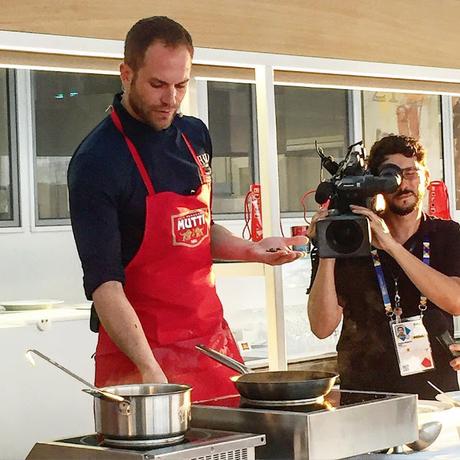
(383, 285)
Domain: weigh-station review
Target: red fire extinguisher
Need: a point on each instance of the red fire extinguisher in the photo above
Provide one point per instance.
(438, 200)
(253, 213)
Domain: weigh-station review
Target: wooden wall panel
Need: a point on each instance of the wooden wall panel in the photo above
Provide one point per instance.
(353, 81)
(58, 61)
(417, 32)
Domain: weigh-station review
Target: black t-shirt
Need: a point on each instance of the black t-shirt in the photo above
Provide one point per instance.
(107, 194)
(366, 355)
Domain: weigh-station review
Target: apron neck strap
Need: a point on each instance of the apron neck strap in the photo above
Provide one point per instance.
(135, 154)
(195, 157)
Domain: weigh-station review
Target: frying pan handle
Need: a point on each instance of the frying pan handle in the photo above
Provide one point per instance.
(224, 359)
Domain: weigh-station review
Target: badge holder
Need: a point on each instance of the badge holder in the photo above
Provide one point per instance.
(412, 345)
(410, 336)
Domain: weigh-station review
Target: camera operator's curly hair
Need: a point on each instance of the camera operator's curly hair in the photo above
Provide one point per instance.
(389, 145)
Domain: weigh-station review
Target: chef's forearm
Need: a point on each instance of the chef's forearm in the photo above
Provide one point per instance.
(123, 326)
(227, 246)
(324, 311)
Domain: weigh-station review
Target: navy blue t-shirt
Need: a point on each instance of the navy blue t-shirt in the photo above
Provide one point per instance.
(107, 194)
(367, 358)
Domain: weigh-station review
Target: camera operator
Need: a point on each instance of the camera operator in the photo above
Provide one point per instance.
(419, 258)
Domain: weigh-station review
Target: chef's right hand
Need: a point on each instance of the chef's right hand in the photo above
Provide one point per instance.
(154, 375)
(321, 214)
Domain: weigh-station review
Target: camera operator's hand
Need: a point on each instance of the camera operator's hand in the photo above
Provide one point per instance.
(381, 236)
(321, 214)
(455, 363)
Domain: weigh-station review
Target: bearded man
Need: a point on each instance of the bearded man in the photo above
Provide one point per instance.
(140, 206)
(414, 267)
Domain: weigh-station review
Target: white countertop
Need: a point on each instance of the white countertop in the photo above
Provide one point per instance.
(24, 318)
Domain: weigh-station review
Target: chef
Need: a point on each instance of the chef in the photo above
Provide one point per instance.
(140, 199)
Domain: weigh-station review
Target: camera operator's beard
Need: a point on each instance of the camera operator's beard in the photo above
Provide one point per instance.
(405, 209)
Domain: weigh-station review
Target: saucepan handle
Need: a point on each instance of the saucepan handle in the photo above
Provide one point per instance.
(94, 394)
(224, 359)
(105, 395)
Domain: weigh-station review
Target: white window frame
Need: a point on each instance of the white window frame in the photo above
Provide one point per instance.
(201, 84)
(7, 226)
(449, 160)
(53, 224)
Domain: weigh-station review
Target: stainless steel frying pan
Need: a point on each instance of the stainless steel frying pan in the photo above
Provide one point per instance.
(275, 385)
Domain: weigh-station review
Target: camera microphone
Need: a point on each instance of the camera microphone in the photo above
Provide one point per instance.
(323, 192)
(437, 325)
(330, 165)
(327, 163)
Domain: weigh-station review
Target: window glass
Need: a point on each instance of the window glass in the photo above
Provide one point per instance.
(456, 131)
(300, 340)
(6, 182)
(230, 119)
(303, 116)
(67, 106)
(415, 115)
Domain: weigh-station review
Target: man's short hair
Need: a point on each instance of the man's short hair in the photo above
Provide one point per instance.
(148, 30)
(392, 144)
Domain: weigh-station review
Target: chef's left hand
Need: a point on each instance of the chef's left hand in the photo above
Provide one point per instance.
(455, 363)
(381, 236)
(275, 250)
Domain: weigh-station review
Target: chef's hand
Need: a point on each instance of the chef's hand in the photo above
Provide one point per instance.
(381, 236)
(455, 363)
(154, 375)
(275, 250)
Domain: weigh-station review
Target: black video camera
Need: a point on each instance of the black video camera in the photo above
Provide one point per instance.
(342, 233)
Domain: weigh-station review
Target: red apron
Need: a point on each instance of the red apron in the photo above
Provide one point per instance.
(171, 286)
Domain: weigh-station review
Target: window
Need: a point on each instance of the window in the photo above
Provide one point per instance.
(303, 116)
(9, 215)
(456, 146)
(231, 124)
(415, 115)
(67, 106)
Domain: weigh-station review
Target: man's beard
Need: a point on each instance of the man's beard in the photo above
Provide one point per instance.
(405, 210)
(142, 111)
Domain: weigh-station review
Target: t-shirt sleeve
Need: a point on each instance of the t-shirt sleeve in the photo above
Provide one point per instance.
(94, 218)
(450, 261)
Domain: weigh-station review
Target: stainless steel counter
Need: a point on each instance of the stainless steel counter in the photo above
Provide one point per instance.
(446, 447)
(347, 423)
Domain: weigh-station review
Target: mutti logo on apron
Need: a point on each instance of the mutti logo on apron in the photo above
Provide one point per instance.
(190, 228)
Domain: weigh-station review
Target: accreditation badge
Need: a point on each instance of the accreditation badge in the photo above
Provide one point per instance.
(412, 345)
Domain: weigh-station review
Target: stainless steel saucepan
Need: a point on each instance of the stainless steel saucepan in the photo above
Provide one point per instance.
(159, 413)
(275, 385)
(137, 414)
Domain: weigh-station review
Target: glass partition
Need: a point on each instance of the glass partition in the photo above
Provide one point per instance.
(409, 114)
(303, 116)
(8, 167)
(67, 106)
(231, 117)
